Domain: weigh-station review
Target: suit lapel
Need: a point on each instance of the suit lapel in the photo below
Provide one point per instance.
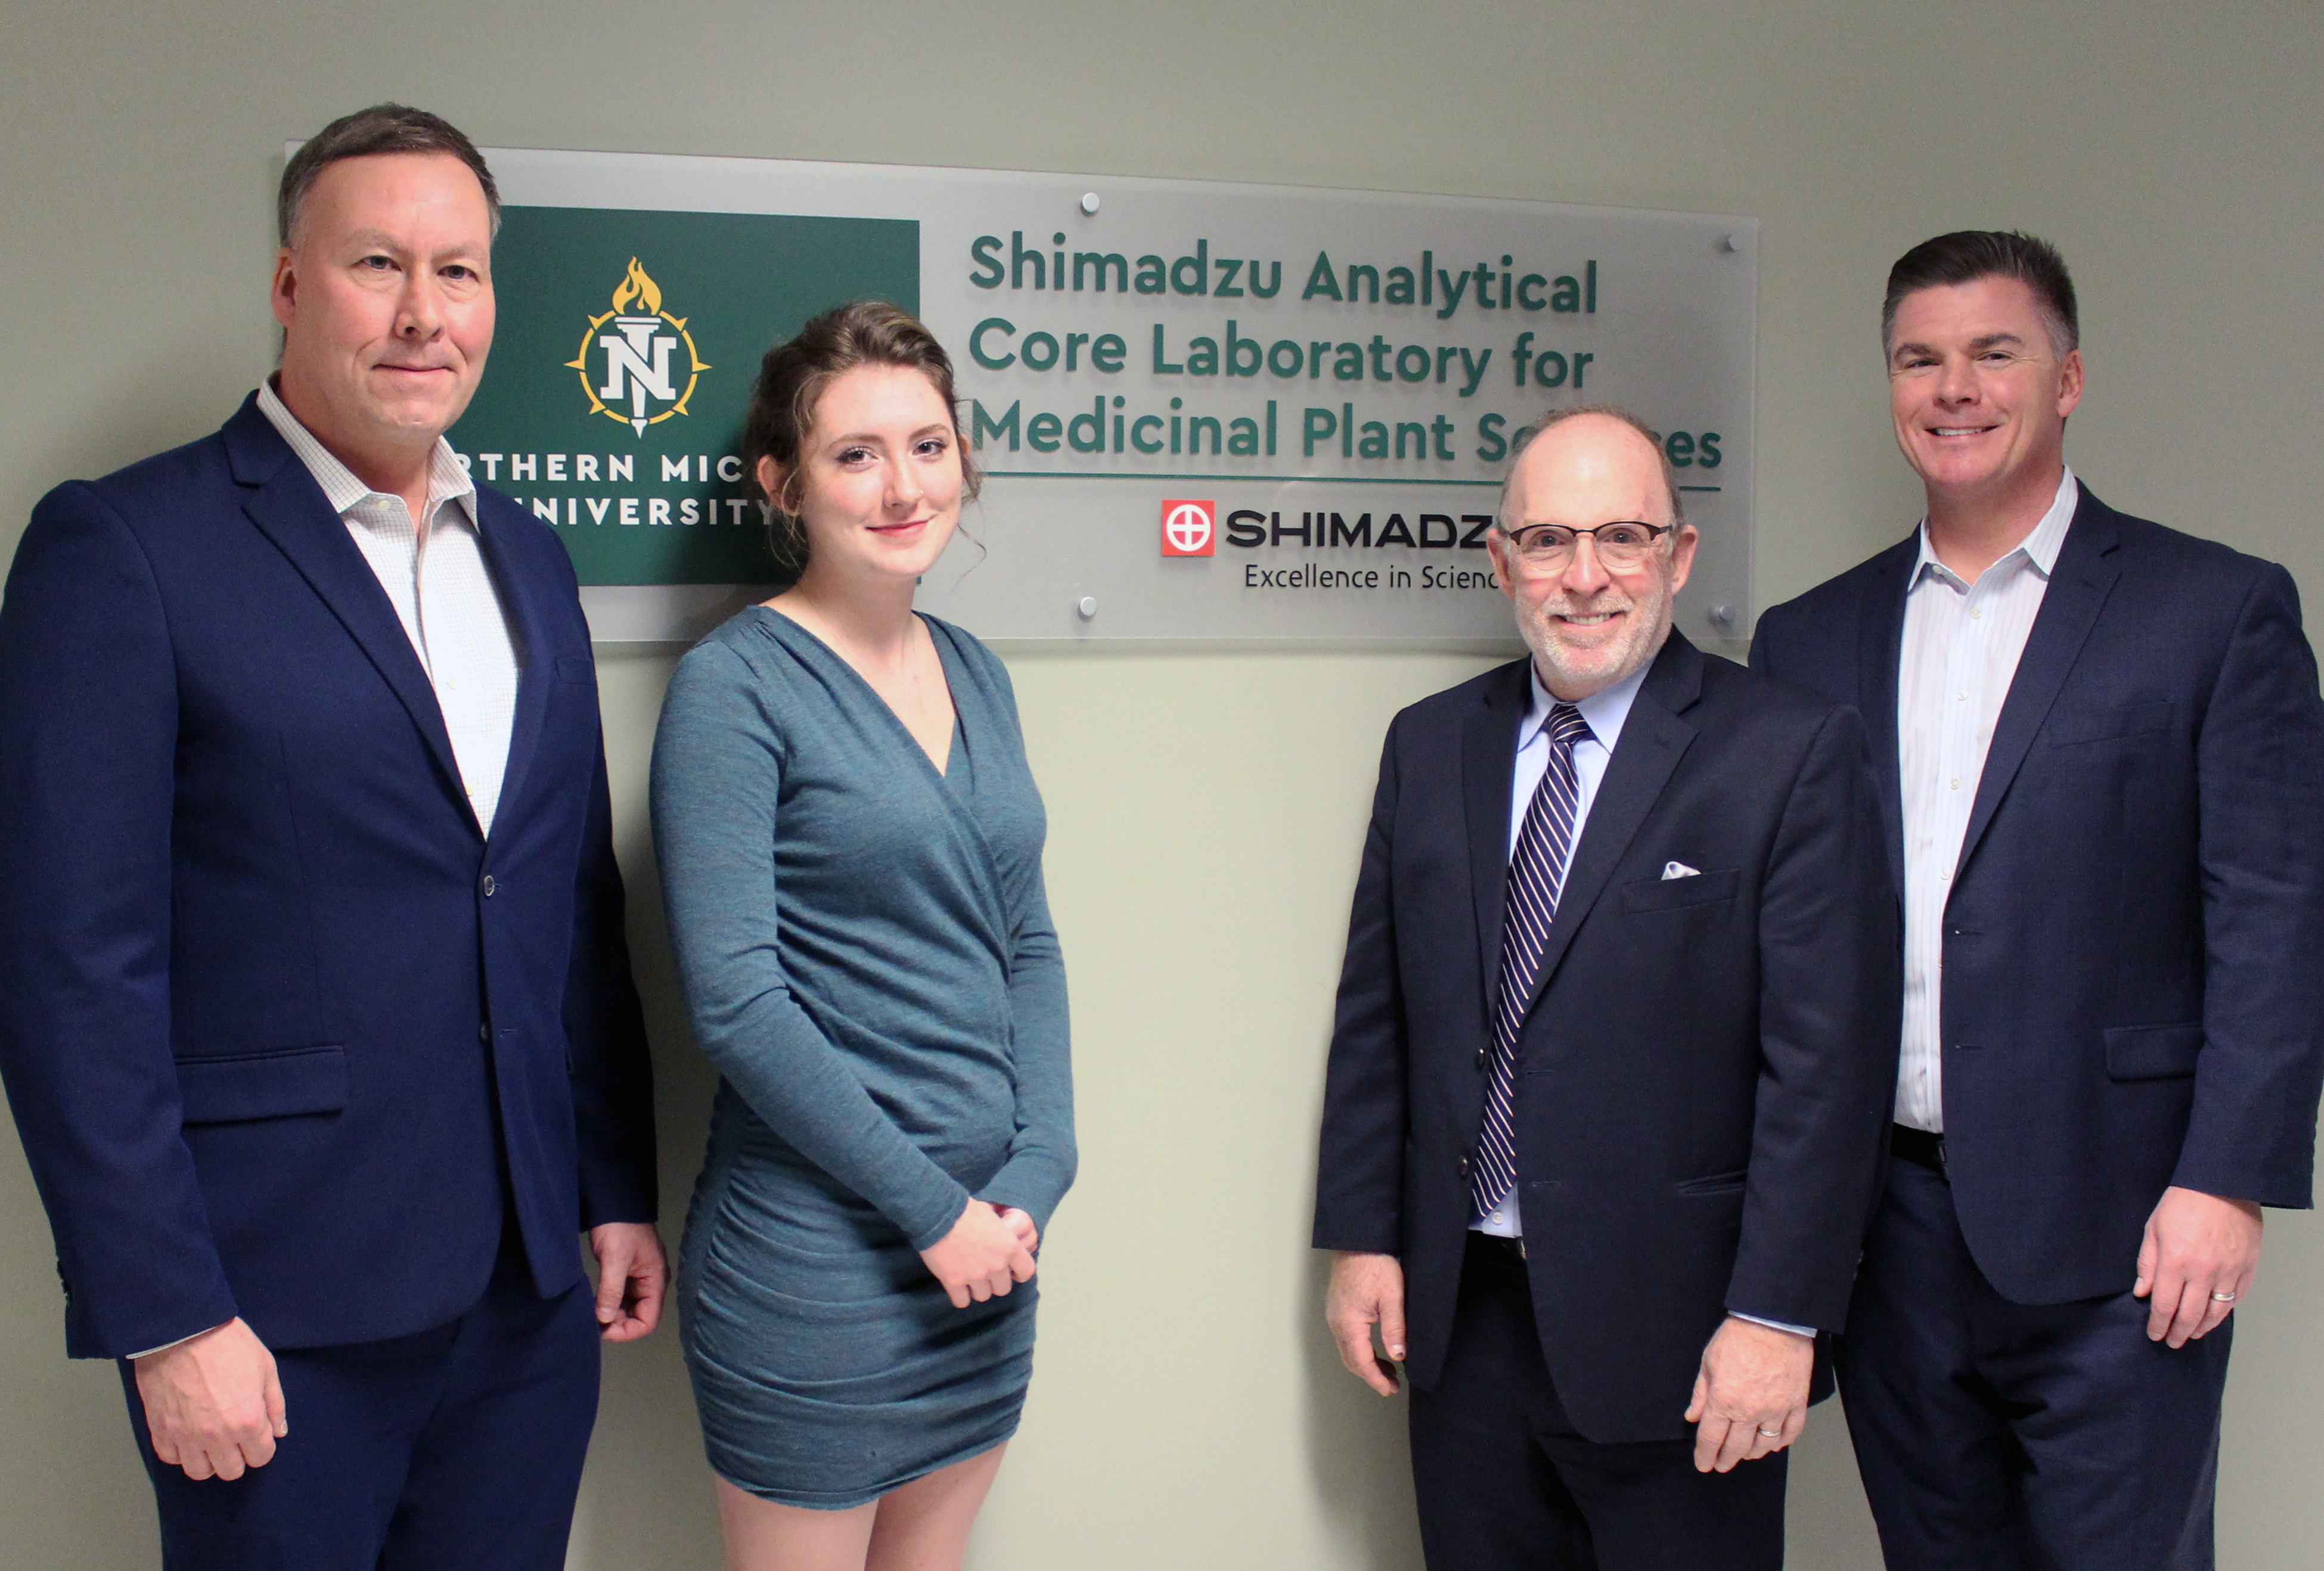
(1654, 738)
(2077, 590)
(536, 661)
(1881, 642)
(290, 510)
(1488, 755)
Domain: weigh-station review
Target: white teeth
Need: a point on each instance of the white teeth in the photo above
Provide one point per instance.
(1592, 621)
(1958, 430)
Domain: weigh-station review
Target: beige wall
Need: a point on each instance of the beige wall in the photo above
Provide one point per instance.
(1207, 803)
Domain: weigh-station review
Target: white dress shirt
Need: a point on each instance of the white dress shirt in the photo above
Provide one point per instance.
(1961, 645)
(1604, 712)
(435, 576)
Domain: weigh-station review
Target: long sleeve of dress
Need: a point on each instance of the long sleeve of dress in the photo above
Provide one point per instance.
(1042, 1157)
(718, 766)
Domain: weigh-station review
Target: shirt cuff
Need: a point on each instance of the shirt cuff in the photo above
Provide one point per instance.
(181, 1342)
(1807, 1331)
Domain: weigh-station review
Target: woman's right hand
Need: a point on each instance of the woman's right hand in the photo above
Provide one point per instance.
(983, 1257)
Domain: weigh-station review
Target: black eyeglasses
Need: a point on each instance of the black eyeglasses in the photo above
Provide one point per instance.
(1549, 547)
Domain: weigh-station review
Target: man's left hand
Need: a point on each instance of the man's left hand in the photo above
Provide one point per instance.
(1751, 1394)
(631, 1276)
(2196, 1263)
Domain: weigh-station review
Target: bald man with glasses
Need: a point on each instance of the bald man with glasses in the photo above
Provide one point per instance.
(1609, 1078)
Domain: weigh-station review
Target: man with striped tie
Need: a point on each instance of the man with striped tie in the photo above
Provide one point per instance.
(1613, 1052)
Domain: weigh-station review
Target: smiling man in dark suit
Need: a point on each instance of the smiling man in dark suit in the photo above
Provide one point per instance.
(315, 1006)
(1610, 1071)
(2101, 758)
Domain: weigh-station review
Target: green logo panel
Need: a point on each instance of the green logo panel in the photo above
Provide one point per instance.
(621, 368)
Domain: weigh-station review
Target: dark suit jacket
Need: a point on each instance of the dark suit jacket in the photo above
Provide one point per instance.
(1706, 1070)
(2135, 932)
(284, 1035)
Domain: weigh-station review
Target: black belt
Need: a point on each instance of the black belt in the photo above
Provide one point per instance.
(1917, 1147)
(1499, 1251)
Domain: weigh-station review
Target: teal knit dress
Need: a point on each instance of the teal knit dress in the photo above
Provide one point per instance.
(868, 960)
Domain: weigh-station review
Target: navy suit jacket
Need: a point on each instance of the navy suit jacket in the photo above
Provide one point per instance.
(1705, 1071)
(286, 1036)
(2135, 938)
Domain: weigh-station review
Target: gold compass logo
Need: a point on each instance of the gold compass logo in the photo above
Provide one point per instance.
(632, 372)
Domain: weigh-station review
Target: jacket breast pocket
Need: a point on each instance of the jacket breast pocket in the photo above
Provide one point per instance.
(2072, 727)
(2152, 1052)
(283, 1084)
(1677, 894)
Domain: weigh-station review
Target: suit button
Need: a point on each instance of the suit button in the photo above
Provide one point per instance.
(1464, 1167)
(484, 1031)
(1484, 1057)
(489, 885)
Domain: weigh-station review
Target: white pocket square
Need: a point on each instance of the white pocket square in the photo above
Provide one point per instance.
(1680, 870)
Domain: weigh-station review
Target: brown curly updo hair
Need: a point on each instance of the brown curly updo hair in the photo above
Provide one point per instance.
(792, 380)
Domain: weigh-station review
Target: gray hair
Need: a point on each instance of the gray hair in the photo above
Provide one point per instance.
(381, 128)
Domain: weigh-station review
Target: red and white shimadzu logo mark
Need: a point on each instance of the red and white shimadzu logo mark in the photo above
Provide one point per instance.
(1190, 529)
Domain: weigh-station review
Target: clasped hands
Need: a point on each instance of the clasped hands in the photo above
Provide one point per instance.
(988, 1251)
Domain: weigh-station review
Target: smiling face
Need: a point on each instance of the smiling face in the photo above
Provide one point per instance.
(385, 298)
(880, 483)
(1589, 625)
(1980, 395)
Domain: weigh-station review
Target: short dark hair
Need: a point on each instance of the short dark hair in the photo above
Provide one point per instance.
(1967, 255)
(381, 128)
(1525, 439)
(794, 377)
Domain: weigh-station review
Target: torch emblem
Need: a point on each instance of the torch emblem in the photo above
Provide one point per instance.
(629, 357)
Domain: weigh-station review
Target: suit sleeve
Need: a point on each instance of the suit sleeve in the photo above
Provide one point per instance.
(2260, 780)
(1360, 1164)
(612, 1072)
(1829, 990)
(89, 737)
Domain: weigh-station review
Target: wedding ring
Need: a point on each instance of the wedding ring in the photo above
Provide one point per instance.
(2223, 1298)
(1771, 1434)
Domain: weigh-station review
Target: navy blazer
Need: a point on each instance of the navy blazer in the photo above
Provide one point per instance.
(2131, 992)
(1705, 1071)
(285, 1036)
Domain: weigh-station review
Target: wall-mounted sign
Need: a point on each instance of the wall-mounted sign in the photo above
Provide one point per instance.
(1204, 410)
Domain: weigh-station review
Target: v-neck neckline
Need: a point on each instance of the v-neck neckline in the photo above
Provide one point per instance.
(956, 739)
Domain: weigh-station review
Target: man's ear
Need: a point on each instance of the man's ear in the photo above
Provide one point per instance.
(1683, 540)
(286, 287)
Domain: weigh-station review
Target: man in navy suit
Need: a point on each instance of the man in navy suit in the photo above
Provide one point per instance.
(2101, 757)
(1609, 1077)
(315, 1007)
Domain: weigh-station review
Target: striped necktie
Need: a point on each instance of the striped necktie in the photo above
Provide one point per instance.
(1537, 874)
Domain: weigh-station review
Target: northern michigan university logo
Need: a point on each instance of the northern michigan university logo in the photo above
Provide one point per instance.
(634, 372)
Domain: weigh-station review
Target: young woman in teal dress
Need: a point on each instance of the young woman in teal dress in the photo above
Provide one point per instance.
(850, 856)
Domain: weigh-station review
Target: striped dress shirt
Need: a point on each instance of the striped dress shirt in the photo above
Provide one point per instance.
(435, 576)
(1961, 645)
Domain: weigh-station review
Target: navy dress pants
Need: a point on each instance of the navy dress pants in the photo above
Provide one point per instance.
(458, 1448)
(1995, 1436)
(1504, 1482)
